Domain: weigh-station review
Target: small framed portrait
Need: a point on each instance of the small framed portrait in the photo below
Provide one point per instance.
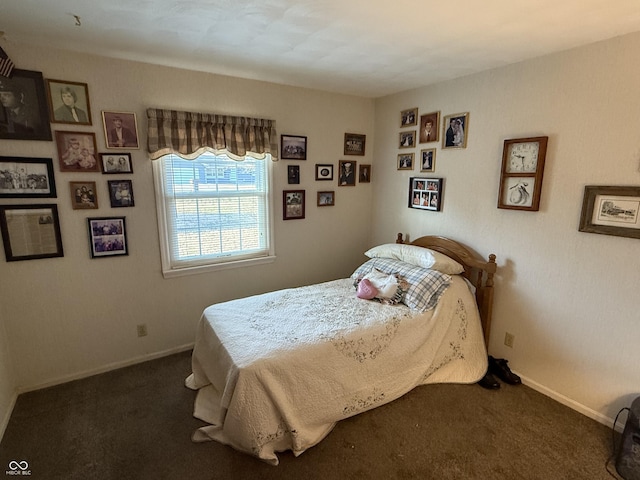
(83, 195)
(30, 231)
(347, 169)
(425, 193)
(364, 173)
(116, 163)
(23, 107)
(428, 160)
(77, 151)
(292, 204)
(120, 129)
(354, 144)
(293, 174)
(408, 139)
(68, 102)
(121, 193)
(27, 178)
(456, 129)
(293, 147)
(429, 127)
(326, 199)
(107, 237)
(324, 171)
(405, 161)
(409, 117)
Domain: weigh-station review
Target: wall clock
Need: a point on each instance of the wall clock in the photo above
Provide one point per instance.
(521, 174)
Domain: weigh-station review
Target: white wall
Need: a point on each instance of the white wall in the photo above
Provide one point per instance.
(570, 298)
(7, 383)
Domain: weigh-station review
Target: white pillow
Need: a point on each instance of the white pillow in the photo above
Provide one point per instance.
(418, 256)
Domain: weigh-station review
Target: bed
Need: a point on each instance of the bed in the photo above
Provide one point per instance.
(276, 371)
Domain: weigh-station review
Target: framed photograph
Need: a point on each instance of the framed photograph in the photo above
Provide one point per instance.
(409, 117)
(429, 127)
(68, 102)
(116, 163)
(324, 171)
(428, 160)
(77, 151)
(23, 113)
(326, 199)
(407, 139)
(27, 178)
(292, 204)
(293, 147)
(30, 231)
(121, 193)
(425, 193)
(455, 128)
(293, 174)
(107, 237)
(611, 210)
(120, 129)
(364, 173)
(347, 170)
(83, 195)
(521, 174)
(354, 144)
(405, 161)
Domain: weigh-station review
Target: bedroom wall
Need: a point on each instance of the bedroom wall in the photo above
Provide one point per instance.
(570, 298)
(7, 383)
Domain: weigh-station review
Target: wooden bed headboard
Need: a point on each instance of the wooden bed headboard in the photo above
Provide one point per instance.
(478, 271)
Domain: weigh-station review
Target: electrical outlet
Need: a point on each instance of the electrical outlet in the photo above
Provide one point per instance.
(508, 339)
(142, 330)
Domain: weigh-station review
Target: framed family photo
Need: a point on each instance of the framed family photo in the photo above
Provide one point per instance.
(292, 204)
(354, 144)
(324, 171)
(121, 193)
(107, 237)
(611, 210)
(27, 178)
(83, 195)
(326, 199)
(77, 151)
(68, 102)
(30, 231)
(425, 193)
(407, 139)
(456, 129)
(428, 160)
(405, 161)
(120, 129)
(23, 111)
(409, 117)
(293, 147)
(116, 163)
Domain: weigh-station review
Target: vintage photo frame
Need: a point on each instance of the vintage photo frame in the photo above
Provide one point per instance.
(364, 173)
(324, 171)
(428, 160)
(425, 193)
(84, 195)
(429, 127)
(347, 173)
(405, 161)
(121, 193)
(611, 210)
(107, 236)
(293, 174)
(22, 177)
(409, 117)
(30, 231)
(120, 130)
(326, 199)
(77, 151)
(116, 163)
(354, 144)
(455, 130)
(407, 139)
(66, 98)
(26, 95)
(293, 204)
(293, 147)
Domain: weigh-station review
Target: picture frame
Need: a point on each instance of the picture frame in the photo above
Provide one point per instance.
(405, 161)
(428, 160)
(364, 173)
(347, 173)
(26, 177)
(293, 147)
(293, 174)
(30, 232)
(455, 129)
(68, 102)
(77, 151)
(324, 172)
(107, 236)
(407, 139)
(326, 199)
(409, 117)
(611, 210)
(354, 144)
(429, 127)
(120, 130)
(293, 204)
(116, 163)
(24, 93)
(84, 195)
(425, 193)
(121, 193)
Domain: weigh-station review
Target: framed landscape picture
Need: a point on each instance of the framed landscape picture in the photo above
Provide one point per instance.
(611, 210)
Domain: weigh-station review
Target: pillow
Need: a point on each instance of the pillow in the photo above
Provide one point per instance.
(366, 290)
(418, 256)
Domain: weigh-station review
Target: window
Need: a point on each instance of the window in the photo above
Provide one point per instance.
(213, 212)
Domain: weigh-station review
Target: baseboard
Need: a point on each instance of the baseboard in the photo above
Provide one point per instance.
(7, 415)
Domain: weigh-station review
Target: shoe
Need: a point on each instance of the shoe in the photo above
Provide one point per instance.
(499, 367)
(489, 382)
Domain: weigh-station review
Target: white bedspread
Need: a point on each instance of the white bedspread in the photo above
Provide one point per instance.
(276, 371)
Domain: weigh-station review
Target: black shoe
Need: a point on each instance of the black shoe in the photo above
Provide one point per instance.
(499, 367)
(489, 382)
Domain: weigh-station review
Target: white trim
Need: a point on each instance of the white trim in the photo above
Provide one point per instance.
(8, 413)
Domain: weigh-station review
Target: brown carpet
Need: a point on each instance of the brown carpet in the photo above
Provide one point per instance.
(136, 423)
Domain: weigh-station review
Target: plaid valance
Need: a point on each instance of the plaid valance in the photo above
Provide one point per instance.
(188, 135)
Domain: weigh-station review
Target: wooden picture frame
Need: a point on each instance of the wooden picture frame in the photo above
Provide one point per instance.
(22, 177)
(354, 144)
(407, 139)
(293, 204)
(107, 236)
(429, 127)
(293, 147)
(425, 193)
(121, 193)
(409, 117)
(116, 163)
(326, 199)
(324, 172)
(405, 161)
(428, 160)
(120, 130)
(68, 102)
(293, 174)
(84, 195)
(30, 232)
(611, 210)
(23, 110)
(455, 129)
(347, 173)
(77, 151)
(364, 173)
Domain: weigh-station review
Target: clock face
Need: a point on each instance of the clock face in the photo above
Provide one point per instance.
(523, 157)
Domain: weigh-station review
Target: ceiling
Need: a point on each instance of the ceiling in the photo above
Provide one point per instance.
(369, 48)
